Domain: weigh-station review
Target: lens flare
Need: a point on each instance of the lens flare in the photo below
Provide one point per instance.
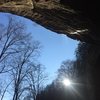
(66, 82)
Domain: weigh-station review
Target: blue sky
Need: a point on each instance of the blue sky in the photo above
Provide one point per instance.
(56, 47)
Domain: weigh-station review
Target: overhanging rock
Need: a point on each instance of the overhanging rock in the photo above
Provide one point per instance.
(71, 17)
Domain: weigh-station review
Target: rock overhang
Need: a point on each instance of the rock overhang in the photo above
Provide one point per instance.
(61, 16)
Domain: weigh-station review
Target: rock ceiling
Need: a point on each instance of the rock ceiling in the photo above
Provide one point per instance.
(78, 19)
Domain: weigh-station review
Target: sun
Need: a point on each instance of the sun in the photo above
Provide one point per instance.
(66, 82)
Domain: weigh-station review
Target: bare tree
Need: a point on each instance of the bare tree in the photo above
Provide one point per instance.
(35, 80)
(21, 65)
(12, 37)
(67, 69)
(5, 90)
(18, 54)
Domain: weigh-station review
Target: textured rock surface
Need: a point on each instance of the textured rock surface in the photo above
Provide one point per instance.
(78, 20)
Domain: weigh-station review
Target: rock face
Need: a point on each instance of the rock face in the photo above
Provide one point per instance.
(78, 19)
